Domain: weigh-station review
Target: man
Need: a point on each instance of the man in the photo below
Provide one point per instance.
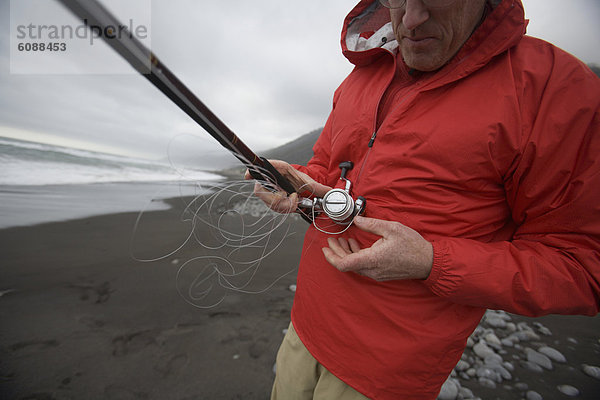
(476, 148)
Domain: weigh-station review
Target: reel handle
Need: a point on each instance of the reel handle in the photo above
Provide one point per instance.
(345, 166)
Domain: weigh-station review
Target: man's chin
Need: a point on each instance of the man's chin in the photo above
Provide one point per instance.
(422, 63)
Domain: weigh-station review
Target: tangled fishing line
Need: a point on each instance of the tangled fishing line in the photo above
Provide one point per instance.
(236, 233)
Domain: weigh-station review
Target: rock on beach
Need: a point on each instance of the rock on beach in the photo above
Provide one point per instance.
(512, 359)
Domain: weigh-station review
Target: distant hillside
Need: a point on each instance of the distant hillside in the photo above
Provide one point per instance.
(298, 151)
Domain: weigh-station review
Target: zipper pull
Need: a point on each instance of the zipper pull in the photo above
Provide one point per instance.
(372, 139)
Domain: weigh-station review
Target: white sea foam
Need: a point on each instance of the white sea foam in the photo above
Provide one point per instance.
(28, 163)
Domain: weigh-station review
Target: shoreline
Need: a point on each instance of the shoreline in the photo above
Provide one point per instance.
(32, 205)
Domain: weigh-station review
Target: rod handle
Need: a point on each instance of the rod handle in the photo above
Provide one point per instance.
(267, 172)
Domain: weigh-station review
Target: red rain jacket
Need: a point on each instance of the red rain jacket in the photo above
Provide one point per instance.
(496, 160)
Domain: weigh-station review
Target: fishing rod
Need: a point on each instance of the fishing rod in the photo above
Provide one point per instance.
(96, 16)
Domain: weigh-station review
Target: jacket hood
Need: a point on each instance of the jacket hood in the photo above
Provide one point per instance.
(367, 34)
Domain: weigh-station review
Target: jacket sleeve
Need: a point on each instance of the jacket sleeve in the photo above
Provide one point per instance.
(552, 263)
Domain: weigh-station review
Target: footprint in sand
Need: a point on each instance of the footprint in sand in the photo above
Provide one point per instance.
(99, 292)
(171, 364)
(132, 343)
(259, 347)
(34, 345)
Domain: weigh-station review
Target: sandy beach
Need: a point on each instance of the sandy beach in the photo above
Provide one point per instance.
(83, 318)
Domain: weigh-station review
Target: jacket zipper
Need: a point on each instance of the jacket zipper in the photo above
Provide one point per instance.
(375, 129)
(373, 137)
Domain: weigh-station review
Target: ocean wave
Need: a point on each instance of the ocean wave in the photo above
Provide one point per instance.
(30, 163)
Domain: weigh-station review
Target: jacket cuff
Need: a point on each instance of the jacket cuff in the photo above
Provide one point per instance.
(441, 260)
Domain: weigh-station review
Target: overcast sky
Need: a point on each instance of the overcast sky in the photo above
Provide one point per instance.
(267, 68)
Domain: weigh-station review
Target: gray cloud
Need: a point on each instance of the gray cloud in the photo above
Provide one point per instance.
(267, 68)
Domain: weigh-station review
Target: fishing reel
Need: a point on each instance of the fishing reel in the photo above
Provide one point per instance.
(337, 204)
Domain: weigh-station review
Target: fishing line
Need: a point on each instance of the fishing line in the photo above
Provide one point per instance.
(230, 220)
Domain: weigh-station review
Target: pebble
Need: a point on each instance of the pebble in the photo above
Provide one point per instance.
(449, 390)
(572, 340)
(488, 373)
(591, 370)
(523, 326)
(492, 340)
(462, 366)
(553, 354)
(538, 358)
(292, 288)
(493, 359)
(525, 336)
(488, 383)
(568, 390)
(531, 395)
(470, 342)
(521, 386)
(503, 372)
(508, 366)
(482, 350)
(542, 329)
(495, 322)
(500, 314)
(472, 372)
(511, 327)
(507, 342)
(465, 393)
(531, 366)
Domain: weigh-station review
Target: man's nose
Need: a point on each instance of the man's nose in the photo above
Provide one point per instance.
(415, 14)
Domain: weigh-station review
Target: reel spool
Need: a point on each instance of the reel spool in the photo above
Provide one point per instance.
(338, 204)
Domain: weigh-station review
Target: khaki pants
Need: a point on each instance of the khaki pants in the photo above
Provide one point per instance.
(300, 377)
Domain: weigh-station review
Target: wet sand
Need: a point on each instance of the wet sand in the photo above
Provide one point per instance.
(81, 319)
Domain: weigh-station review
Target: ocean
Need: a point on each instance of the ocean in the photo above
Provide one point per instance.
(44, 183)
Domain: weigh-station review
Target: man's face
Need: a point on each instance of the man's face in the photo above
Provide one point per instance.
(430, 37)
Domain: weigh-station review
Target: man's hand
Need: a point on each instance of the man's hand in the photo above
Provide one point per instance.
(401, 253)
(280, 201)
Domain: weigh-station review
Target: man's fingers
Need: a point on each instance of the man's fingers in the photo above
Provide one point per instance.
(345, 245)
(354, 246)
(331, 257)
(277, 201)
(283, 203)
(377, 226)
(336, 247)
(344, 255)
